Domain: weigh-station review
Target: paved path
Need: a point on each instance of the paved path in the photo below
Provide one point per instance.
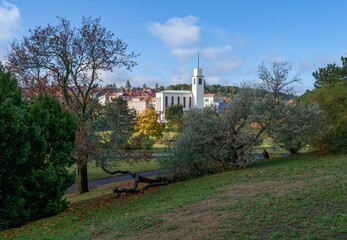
(95, 183)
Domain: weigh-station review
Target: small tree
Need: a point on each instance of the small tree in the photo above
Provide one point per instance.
(195, 152)
(147, 125)
(147, 129)
(244, 122)
(298, 125)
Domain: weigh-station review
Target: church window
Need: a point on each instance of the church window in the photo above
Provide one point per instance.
(184, 102)
(194, 80)
(172, 100)
(178, 100)
(190, 102)
(200, 81)
(166, 101)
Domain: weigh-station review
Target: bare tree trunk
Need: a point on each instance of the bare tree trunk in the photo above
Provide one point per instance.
(82, 177)
(82, 151)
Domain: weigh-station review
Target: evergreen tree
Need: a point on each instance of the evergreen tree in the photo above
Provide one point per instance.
(36, 140)
(115, 125)
(128, 84)
(14, 151)
(331, 74)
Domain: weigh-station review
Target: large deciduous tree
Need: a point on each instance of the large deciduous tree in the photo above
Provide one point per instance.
(68, 61)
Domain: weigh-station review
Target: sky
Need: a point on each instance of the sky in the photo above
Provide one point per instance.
(232, 37)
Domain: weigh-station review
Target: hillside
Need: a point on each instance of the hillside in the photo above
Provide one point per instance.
(302, 197)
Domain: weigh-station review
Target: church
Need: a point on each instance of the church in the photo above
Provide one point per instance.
(188, 99)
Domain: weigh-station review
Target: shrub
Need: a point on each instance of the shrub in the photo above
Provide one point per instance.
(194, 154)
(298, 125)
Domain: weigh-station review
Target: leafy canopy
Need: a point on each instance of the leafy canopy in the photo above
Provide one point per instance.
(147, 125)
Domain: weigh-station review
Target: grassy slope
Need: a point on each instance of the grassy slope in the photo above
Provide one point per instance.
(302, 197)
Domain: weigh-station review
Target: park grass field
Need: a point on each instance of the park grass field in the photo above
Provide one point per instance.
(299, 197)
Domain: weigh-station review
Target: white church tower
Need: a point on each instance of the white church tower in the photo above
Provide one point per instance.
(198, 86)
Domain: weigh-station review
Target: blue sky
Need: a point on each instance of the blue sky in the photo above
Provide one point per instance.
(233, 37)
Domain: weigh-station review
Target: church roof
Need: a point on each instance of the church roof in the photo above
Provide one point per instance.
(175, 91)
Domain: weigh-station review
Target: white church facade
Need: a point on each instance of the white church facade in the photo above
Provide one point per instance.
(188, 99)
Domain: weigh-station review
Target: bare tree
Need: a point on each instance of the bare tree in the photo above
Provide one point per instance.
(70, 60)
(277, 81)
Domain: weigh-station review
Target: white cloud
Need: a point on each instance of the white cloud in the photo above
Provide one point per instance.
(184, 53)
(270, 57)
(182, 37)
(229, 64)
(9, 20)
(121, 76)
(182, 77)
(213, 53)
(177, 32)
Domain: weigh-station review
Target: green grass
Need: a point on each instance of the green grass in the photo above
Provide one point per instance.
(95, 172)
(301, 197)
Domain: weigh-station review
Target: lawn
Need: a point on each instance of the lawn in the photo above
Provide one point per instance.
(95, 172)
(301, 197)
